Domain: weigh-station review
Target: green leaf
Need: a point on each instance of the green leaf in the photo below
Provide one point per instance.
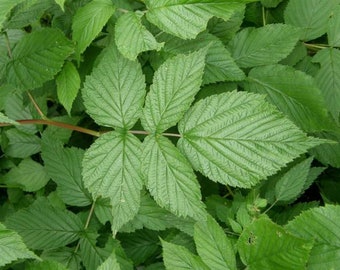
(37, 58)
(29, 175)
(5, 8)
(5, 120)
(333, 31)
(327, 78)
(213, 246)
(63, 255)
(292, 183)
(12, 247)
(219, 65)
(61, 3)
(310, 15)
(45, 265)
(263, 46)
(186, 19)
(265, 245)
(42, 226)
(110, 263)
(293, 92)
(177, 257)
(22, 145)
(170, 179)
(111, 169)
(89, 21)
(238, 139)
(130, 30)
(270, 3)
(114, 92)
(63, 165)
(174, 87)
(68, 84)
(321, 224)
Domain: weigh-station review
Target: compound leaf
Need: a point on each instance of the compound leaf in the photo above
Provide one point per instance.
(293, 92)
(238, 139)
(170, 179)
(175, 84)
(43, 227)
(111, 169)
(37, 58)
(310, 15)
(130, 30)
(186, 19)
(89, 21)
(265, 245)
(320, 224)
(263, 46)
(328, 79)
(178, 257)
(68, 84)
(213, 246)
(12, 247)
(114, 92)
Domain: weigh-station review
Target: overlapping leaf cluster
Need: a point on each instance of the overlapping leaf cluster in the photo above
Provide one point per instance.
(215, 121)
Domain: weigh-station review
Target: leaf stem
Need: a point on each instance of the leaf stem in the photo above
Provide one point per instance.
(172, 135)
(8, 45)
(316, 46)
(270, 207)
(36, 106)
(264, 15)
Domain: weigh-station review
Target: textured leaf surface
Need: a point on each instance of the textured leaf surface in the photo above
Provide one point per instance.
(238, 139)
(63, 165)
(130, 30)
(29, 175)
(328, 78)
(321, 224)
(170, 179)
(114, 92)
(291, 184)
(110, 263)
(89, 21)
(175, 84)
(310, 15)
(68, 84)
(22, 145)
(12, 247)
(4, 119)
(187, 18)
(42, 226)
(45, 265)
(270, 3)
(265, 245)
(5, 8)
(61, 3)
(178, 257)
(293, 92)
(333, 31)
(263, 46)
(219, 65)
(213, 246)
(111, 169)
(37, 58)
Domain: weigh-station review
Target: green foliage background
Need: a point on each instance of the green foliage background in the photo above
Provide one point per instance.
(169, 134)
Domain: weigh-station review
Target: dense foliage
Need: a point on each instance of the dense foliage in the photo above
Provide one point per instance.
(169, 134)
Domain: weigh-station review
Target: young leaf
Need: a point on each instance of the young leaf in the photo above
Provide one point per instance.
(63, 165)
(61, 3)
(114, 92)
(29, 175)
(12, 247)
(130, 30)
(186, 19)
(327, 78)
(310, 15)
(238, 139)
(42, 226)
(89, 21)
(37, 58)
(175, 84)
(333, 31)
(170, 179)
(111, 169)
(291, 184)
(263, 46)
(68, 84)
(213, 246)
(265, 245)
(320, 224)
(4, 119)
(179, 258)
(293, 92)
